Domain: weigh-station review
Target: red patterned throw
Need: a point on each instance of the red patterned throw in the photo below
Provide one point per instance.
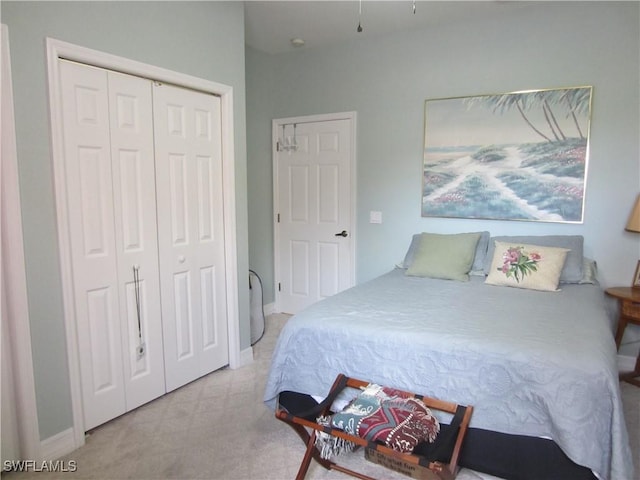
(382, 414)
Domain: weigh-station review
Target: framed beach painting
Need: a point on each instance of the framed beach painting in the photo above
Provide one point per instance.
(513, 156)
(636, 277)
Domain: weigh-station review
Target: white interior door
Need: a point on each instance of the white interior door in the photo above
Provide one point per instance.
(191, 232)
(314, 210)
(108, 131)
(93, 241)
(133, 168)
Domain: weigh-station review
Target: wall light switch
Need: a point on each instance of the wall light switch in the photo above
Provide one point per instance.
(375, 217)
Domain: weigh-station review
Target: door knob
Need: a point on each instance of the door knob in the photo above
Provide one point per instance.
(343, 233)
(181, 259)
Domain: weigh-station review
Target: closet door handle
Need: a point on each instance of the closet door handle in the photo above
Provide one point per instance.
(343, 233)
(141, 348)
(181, 259)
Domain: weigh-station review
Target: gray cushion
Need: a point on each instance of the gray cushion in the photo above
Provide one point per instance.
(572, 271)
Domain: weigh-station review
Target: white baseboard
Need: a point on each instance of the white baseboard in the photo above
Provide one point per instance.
(269, 309)
(246, 356)
(58, 445)
(626, 363)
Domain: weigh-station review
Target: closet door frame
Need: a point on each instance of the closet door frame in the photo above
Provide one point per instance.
(56, 50)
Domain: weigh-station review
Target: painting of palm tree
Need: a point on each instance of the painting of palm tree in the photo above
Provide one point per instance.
(514, 156)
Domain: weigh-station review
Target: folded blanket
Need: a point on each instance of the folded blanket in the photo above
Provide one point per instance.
(382, 414)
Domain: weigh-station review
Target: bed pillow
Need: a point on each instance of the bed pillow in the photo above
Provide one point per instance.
(481, 252)
(478, 259)
(590, 271)
(572, 272)
(449, 257)
(520, 265)
(411, 253)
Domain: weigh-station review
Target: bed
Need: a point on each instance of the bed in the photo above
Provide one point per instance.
(534, 364)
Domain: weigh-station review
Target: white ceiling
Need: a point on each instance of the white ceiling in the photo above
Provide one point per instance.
(270, 25)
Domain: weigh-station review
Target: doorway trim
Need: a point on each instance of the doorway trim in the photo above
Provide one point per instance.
(16, 329)
(276, 126)
(56, 50)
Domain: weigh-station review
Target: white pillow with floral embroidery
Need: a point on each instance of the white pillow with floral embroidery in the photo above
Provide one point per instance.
(527, 266)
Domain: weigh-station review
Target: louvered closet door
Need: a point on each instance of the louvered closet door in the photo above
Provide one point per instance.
(109, 165)
(191, 237)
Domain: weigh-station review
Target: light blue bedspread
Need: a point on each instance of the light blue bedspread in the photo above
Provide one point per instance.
(531, 363)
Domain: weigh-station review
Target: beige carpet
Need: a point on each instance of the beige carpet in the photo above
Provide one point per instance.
(218, 428)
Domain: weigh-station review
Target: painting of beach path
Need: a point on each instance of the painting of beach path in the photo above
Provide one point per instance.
(513, 156)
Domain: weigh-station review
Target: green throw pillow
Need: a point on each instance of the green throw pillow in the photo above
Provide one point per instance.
(444, 256)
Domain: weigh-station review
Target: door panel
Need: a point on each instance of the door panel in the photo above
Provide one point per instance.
(178, 205)
(93, 242)
(103, 340)
(95, 198)
(298, 257)
(129, 163)
(298, 183)
(190, 223)
(112, 219)
(133, 163)
(206, 195)
(209, 333)
(329, 258)
(183, 316)
(328, 195)
(314, 203)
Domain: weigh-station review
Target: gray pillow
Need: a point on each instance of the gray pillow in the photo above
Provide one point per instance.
(572, 271)
(411, 253)
(481, 252)
(478, 261)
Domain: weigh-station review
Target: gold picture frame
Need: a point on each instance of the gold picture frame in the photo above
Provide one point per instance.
(636, 277)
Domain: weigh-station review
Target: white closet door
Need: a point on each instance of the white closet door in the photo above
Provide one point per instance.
(132, 156)
(109, 155)
(93, 242)
(187, 127)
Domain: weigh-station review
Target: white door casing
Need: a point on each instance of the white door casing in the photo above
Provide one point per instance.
(191, 232)
(56, 51)
(314, 200)
(19, 424)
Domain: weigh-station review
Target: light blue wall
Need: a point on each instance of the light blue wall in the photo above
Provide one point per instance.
(260, 107)
(203, 39)
(387, 79)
